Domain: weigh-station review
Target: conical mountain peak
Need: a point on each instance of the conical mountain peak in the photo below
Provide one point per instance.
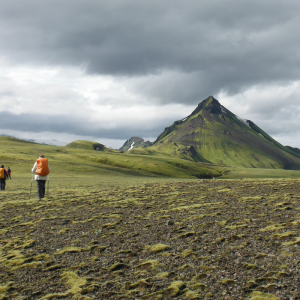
(212, 133)
(210, 104)
(210, 100)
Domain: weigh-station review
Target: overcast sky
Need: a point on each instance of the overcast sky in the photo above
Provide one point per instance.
(107, 70)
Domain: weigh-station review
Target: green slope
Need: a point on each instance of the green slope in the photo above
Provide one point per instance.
(214, 134)
(80, 158)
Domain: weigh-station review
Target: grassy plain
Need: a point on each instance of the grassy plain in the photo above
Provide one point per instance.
(114, 229)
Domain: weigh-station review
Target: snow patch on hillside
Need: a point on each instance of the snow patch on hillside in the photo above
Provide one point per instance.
(131, 147)
(244, 121)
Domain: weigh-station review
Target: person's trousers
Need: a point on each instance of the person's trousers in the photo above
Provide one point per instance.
(41, 188)
(2, 184)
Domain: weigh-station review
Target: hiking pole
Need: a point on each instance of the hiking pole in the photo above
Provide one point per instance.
(48, 188)
(31, 186)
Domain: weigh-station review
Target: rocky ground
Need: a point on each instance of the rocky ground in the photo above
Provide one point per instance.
(212, 239)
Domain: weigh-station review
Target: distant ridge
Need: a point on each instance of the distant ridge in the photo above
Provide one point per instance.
(296, 151)
(135, 142)
(88, 145)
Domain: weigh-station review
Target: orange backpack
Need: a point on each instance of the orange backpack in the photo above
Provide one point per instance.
(42, 168)
(1, 173)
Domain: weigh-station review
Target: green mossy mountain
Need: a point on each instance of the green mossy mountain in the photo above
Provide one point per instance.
(213, 134)
(135, 142)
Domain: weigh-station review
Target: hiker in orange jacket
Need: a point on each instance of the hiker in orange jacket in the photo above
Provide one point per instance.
(41, 171)
(3, 177)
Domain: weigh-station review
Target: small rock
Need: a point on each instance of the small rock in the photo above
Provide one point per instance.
(170, 223)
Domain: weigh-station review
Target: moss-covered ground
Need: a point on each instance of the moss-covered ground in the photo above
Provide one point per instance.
(151, 239)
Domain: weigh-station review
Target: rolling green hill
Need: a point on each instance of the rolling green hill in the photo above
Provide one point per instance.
(87, 145)
(213, 134)
(79, 158)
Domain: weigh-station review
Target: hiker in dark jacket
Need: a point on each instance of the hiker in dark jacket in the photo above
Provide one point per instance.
(8, 171)
(3, 177)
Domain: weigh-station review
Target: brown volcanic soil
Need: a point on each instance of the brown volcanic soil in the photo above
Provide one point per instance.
(216, 239)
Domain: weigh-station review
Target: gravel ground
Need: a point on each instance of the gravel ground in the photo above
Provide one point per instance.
(211, 239)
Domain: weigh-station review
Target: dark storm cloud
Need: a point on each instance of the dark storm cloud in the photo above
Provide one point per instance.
(73, 125)
(215, 45)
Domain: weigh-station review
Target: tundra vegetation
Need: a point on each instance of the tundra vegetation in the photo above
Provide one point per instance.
(111, 232)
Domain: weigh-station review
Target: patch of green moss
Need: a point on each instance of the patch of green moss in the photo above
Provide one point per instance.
(281, 204)
(53, 268)
(234, 227)
(117, 266)
(222, 223)
(250, 199)
(84, 221)
(198, 286)
(241, 246)
(262, 296)
(116, 216)
(33, 264)
(294, 242)
(69, 249)
(5, 288)
(163, 275)
(199, 277)
(64, 230)
(149, 265)
(28, 244)
(140, 284)
(186, 234)
(17, 219)
(174, 288)
(41, 257)
(110, 225)
(4, 231)
(260, 254)
(284, 234)
(281, 274)
(141, 273)
(187, 252)
(251, 284)
(191, 295)
(209, 295)
(157, 248)
(285, 253)
(250, 266)
(184, 267)
(163, 217)
(224, 190)
(74, 281)
(273, 227)
(226, 281)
